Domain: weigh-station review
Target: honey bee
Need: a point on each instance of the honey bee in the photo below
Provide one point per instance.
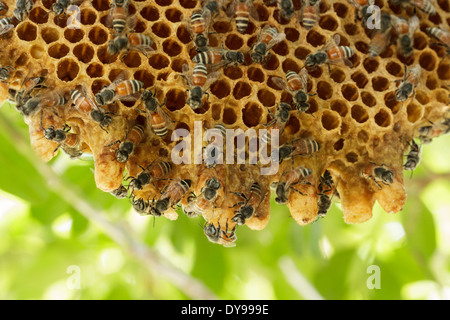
(56, 135)
(5, 25)
(71, 146)
(242, 10)
(250, 205)
(362, 9)
(5, 73)
(23, 7)
(405, 31)
(441, 35)
(84, 103)
(381, 37)
(211, 8)
(25, 104)
(297, 86)
(205, 201)
(378, 174)
(215, 58)
(126, 148)
(409, 83)
(119, 90)
(158, 118)
(198, 26)
(424, 5)
(198, 81)
(214, 147)
(413, 156)
(217, 234)
(3, 7)
(141, 206)
(289, 179)
(267, 38)
(296, 147)
(278, 122)
(427, 133)
(130, 41)
(151, 173)
(170, 197)
(120, 193)
(309, 14)
(330, 53)
(60, 6)
(325, 187)
(119, 17)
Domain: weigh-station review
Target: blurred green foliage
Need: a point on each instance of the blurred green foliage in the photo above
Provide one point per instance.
(42, 236)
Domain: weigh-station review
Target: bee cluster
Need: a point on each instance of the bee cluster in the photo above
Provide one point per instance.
(349, 91)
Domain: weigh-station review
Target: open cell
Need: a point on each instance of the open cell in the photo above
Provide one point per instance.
(183, 34)
(350, 29)
(360, 79)
(350, 92)
(174, 15)
(313, 106)
(324, 90)
(37, 52)
(38, 15)
(222, 26)
(251, 114)
(132, 59)
(177, 65)
(145, 77)
(337, 75)
(266, 97)
(290, 65)
(104, 57)
(380, 83)
(220, 88)
(161, 29)
(95, 70)
(359, 114)
(340, 9)
(315, 39)
(371, 65)
(292, 34)
(171, 47)
(83, 52)
(301, 53)
(87, 17)
(383, 118)
(67, 70)
(272, 63)
(392, 103)
(49, 35)
(58, 50)
(281, 48)
(241, 89)
(368, 99)
(330, 120)
(293, 125)
(351, 157)
(443, 71)
(427, 60)
(229, 116)
(73, 35)
(233, 72)
(175, 99)
(339, 106)
(101, 5)
(395, 69)
(328, 22)
(159, 61)
(234, 42)
(216, 111)
(414, 112)
(338, 145)
(150, 13)
(26, 31)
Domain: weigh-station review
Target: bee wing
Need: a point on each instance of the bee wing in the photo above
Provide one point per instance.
(304, 77)
(131, 97)
(280, 37)
(164, 115)
(230, 9)
(212, 77)
(280, 83)
(252, 10)
(413, 25)
(333, 42)
(6, 28)
(186, 74)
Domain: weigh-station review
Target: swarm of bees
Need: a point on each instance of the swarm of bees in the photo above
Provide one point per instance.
(130, 126)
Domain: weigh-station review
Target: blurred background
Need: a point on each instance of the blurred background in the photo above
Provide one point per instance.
(89, 245)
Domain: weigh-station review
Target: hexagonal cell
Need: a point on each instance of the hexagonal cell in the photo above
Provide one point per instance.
(380, 83)
(362, 47)
(340, 106)
(363, 136)
(360, 79)
(359, 114)
(414, 112)
(272, 63)
(337, 75)
(159, 61)
(150, 13)
(83, 52)
(183, 34)
(132, 59)
(443, 71)
(324, 90)
(220, 88)
(392, 103)
(281, 49)
(340, 9)
(313, 106)
(422, 96)
(351, 29)
(67, 70)
(173, 15)
(234, 41)
(145, 77)
(290, 65)
(87, 16)
(58, 50)
(161, 29)
(328, 22)
(352, 157)
(49, 35)
(444, 4)
(171, 47)
(368, 99)
(420, 41)
(395, 69)
(263, 12)
(175, 99)
(101, 5)
(95, 70)
(38, 15)
(301, 53)
(73, 35)
(216, 111)
(371, 65)
(266, 97)
(177, 65)
(428, 60)
(241, 90)
(26, 31)
(251, 114)
(293, 125)
(338, 145)
(104, 57)
(383, 118)
(229, 116)
(233, 72)
(292, 34)
(37, 52)
(431, 83)
(315, 39)
(222, 26)
(350, 92)
(330, 120)
(61, 21)
(22, 60)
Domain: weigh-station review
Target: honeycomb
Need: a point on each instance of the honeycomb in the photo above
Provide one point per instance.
(353, 113)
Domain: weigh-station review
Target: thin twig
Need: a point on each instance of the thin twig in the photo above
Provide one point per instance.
(72, 194)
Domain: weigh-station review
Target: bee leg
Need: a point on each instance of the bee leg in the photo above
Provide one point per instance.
(296, 190)
(117, 141)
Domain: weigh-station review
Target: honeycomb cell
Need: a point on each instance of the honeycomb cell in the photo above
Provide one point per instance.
(67, 70)
(290, 65)
(132, 59)
(216, 112)
(87, 17)
(330, 120)
(340, 9)
(328, 22)
(340, 106)
(315, 39)
(38, 15)
(251, 114)
(337, 75)
(159, 61)
(101, 5)
(175, 99)
(58, 50)
(266, 97)
(313, 106)
(292, 34)
(145, 77)
(392, 103)
(220, 88)
(359, 114)
(104, 57)
(37, 52)
(140, 26)
(26, 31)
(272, 63)
(234, 72)
(177, 65)
(444, 4)
(395, 69)
(281, 49)
(241, 90)
(74, 35)
(203, 109)
(293, 125)
(371, 65)
(351, 29)
(161, 29)
(171, 47)
(383, 118)
(95, 70)
(422, 97)
(443, 71)
(229, 116)
(150, 13)
(98, 85)
(380, 83)
(83, 52)
(420, 41)
(338, 145)
(363, 136)
(352, 157)
(301, 53)
(183, 34)
(324, 90)
(431, 83)
(360, 78)
(22, 60)
(49, 35)
(350, 92)
(162, 76)
(262, 11)
(173, 15)
(442, 96)
(362, 47)
(234, 42)
(368, 99)
(414, 112)
(427, 60)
